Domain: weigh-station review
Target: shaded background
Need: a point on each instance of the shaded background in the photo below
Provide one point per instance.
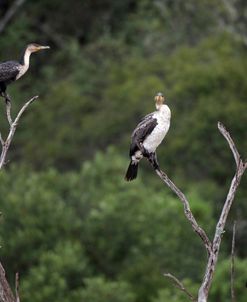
(70, 224)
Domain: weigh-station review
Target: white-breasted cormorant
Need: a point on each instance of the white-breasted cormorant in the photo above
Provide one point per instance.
(147, 136)
(12, 70)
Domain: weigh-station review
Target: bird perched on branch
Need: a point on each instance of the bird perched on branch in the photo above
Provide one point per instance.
(147, 136)
(11, 71)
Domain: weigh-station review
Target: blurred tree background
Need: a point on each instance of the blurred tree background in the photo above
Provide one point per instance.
(70, 224)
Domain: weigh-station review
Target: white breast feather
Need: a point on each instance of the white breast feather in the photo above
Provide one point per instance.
(154, 139)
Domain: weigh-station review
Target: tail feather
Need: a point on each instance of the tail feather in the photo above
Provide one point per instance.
(132, 171)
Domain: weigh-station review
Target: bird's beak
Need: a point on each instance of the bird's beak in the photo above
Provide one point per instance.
(43, 47)
(40, 47)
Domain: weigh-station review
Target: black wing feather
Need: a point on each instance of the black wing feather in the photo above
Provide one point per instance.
(142, 130)
(8, 71)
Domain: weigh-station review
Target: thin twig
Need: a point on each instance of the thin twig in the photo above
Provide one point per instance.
(1, 139)
(12, 129)
(24, 107)
(230, 141)
(232, 262)
(180, 285)
(10, 13)
(187, 211)
(17, 296)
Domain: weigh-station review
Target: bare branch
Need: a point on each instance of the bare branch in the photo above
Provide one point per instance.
(24, 107)
(6, 294)
(230, 141)
(10, 13)
(5, 291)
(187, 211)
(212, 248)
(8, 111)
(12, 129)
(232, 262)
(1, 139)
(210, 268)
(17, 296)
(180, 285)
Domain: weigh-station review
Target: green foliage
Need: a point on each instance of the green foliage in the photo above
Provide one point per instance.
(98, 289)
(174, 294)
(77, 231)
(70, 231)
(221, 290)
(58, 274)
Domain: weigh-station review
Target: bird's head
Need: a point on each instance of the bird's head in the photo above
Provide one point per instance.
(159, 100)
(33, 47)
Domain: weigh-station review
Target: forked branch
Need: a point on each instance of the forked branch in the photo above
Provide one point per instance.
(211, 247)
(240, 169)
(13, 125)
(6, 294)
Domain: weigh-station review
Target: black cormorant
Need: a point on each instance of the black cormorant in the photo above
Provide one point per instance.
(12, 70)
(147, 136)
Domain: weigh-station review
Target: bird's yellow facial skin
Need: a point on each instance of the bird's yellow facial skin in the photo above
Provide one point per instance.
(159, 100)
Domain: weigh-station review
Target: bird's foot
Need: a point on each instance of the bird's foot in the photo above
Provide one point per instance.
(6, 97)
(153, 160)
(144, 152)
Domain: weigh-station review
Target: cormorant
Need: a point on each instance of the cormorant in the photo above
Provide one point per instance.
(147, 136)
(12, 70)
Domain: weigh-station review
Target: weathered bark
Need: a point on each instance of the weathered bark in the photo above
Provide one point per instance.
(212, 260)
(213, 247)
(13, 125)
(6, 294)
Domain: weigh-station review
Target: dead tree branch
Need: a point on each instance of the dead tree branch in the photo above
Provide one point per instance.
(5, 291)
(17, 296)
(13, 125)
(240, 169)
(232, 262)
(10, 13)
(8, 112)
(180, 285)
(214, 246)
(230, 141)
(6, 294)
(187, 211)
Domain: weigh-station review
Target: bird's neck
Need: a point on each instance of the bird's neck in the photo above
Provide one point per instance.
(164, 110)
(25, 58)
(160, 107)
